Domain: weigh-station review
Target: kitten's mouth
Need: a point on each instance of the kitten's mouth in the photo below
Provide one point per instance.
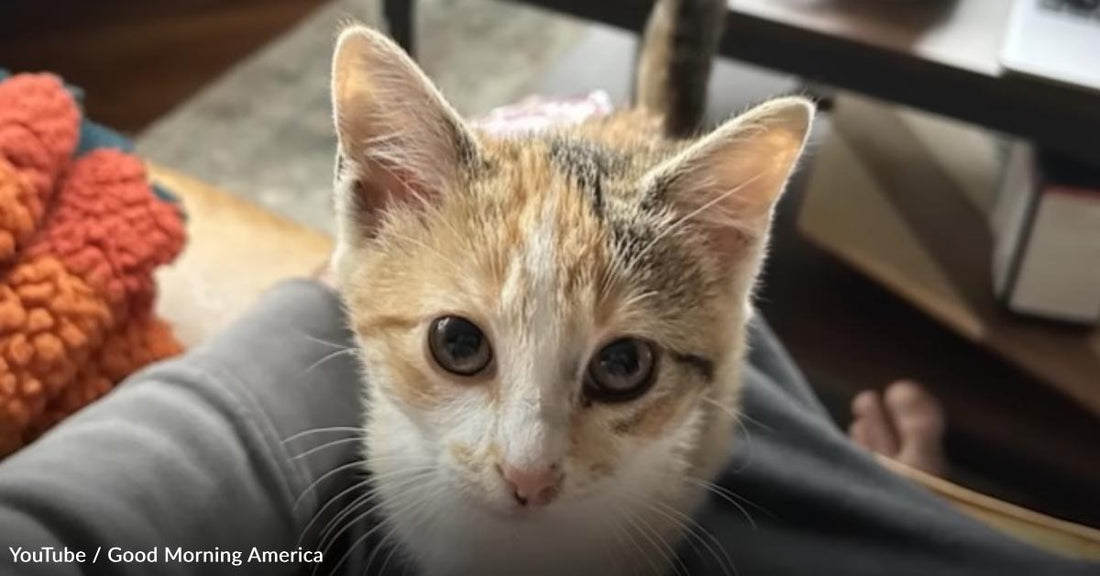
(509, 510)
(517, 514)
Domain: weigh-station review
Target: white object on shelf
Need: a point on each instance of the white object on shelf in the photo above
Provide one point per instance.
(1047, 253)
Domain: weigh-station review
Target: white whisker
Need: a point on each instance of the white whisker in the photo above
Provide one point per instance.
(725, 562)
(641, 551)
(325, 342)
(615, 532)
(367, 534)
(322, 478)
(729, 496)
(752, 420)
(748, 440)
(678, 519)
(327, 357)
(670, 557)
(326, 446)
(313, 431)
(371, 494)
(736, 416)
(409, 510)
(330, 502)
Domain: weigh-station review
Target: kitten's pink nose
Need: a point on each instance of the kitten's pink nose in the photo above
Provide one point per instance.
(532, 487)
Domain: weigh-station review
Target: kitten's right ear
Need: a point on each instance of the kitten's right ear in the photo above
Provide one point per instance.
(399, 140)
(729, 181)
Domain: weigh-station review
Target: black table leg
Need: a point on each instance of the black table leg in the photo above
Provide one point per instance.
(399, 18)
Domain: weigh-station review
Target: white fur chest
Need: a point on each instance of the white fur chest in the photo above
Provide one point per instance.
(631, 528)
(594, 539)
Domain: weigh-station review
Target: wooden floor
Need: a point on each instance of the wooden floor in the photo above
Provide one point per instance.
(136, 59)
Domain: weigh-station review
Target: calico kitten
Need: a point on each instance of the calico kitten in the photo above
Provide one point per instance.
(552, 326)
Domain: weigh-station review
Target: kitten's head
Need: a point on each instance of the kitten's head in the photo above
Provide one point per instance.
(548, 318)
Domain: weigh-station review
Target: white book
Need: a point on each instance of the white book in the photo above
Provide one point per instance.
(1046, 227)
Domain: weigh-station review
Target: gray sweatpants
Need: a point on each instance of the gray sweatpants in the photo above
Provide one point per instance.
(186, 469)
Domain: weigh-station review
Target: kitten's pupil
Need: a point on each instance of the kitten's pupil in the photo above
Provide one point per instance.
(620, 359)
(621, 370)
(459, 346)
(462, 343)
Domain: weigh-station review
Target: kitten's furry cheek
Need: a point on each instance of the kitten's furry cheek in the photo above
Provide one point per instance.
(396, 374)
(594, 451)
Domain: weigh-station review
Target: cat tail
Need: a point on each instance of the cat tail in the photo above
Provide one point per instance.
(674, 65)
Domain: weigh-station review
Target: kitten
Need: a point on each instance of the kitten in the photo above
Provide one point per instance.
(552, 326)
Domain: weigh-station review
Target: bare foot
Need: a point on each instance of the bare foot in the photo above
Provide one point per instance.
(906, 424)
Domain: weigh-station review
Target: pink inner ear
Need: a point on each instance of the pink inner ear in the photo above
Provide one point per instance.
(731, 219)
(385, 188)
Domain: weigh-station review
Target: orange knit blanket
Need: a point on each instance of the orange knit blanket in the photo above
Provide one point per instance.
(79, 242)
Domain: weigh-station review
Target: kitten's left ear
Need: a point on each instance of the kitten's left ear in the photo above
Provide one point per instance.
(400, 142)
(730, 180)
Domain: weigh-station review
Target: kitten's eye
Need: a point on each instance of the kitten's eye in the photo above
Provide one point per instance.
(459, 346)
(621, 370)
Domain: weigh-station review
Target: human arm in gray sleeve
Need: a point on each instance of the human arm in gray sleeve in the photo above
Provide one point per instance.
(191, 455)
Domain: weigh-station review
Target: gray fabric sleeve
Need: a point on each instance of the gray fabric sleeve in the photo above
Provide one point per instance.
(800, 498)
(191, 454)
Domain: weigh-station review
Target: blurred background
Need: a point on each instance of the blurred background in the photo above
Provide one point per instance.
(891, 246)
